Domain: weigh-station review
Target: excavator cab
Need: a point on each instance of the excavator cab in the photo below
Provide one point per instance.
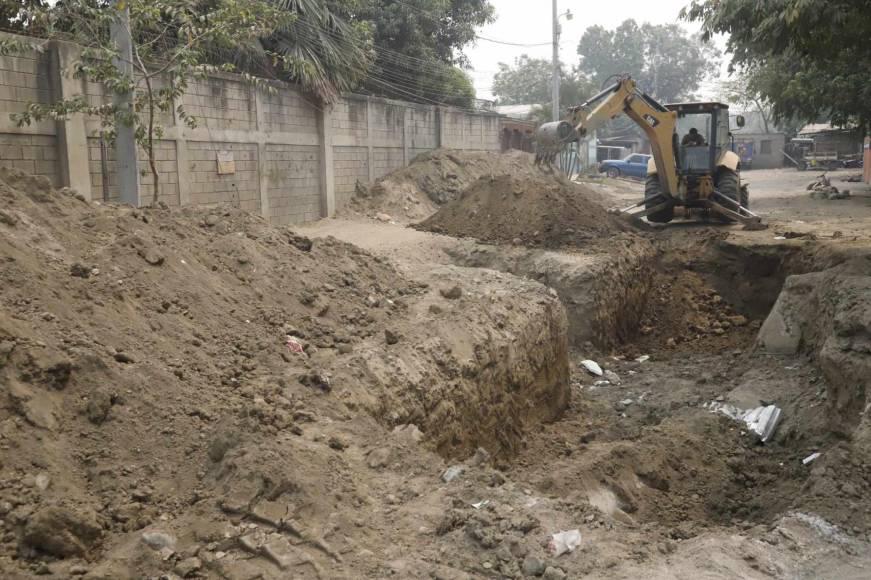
(710, 121)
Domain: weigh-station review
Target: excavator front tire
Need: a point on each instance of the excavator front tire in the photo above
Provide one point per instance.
(652, 189)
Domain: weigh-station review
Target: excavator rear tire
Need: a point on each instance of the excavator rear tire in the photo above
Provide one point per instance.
(729, 184)
(652, 188)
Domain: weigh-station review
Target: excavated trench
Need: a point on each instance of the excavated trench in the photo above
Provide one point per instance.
(734, 320)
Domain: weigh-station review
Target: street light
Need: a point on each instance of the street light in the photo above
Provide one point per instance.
(556, 72)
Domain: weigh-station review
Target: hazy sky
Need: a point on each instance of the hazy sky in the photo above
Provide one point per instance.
(529, 22)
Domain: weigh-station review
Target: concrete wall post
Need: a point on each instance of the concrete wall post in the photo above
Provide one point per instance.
(407, 112)
(370, 148)
(328, 178)
(262, 166)
(182, 161)
(71, 132)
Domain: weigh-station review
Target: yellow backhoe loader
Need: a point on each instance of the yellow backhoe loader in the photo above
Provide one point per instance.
(693, 165)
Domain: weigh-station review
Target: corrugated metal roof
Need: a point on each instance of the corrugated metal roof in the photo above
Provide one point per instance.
(814, 128)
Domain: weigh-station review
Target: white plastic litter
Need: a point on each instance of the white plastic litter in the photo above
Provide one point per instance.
(564, 542)
(762, 421)
(811, 458)
(643, 358)
(592, 367)
(480, 504)
(452, 473)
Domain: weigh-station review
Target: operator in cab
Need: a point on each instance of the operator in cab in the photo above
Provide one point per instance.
(693, 138)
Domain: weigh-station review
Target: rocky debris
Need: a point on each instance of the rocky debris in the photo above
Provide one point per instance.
(78, 270)
(822, 188)
(8, 218)
(391, 337)
(223, 442)
(98, 407)
(453, 292)
(158, 540)
(532, 566)
(188, 567)
(301, 243)
(318, 380)
(612, 377)
(553, 573)
(152, 256)
(378, 458)
(123, 357)
(62, 532)
(408, 433)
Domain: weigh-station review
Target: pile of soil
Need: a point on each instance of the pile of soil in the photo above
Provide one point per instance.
(432, 179)
(196, 393)
(537, 208)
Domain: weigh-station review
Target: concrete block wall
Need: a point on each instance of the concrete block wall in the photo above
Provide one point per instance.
(26, 78)
(36, 154)
(295, 160)
(387, 159)
(240, 189)
(351, 164)
(294, 183)
(221, 103)
(167, 167)
(287, 111)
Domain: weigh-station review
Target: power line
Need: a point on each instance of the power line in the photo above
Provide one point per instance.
(433, 16)
(524, 45)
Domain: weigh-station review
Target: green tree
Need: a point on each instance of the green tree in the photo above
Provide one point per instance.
(740, 90)
(666, 62)
(418, 43)
(808, 57)
(320, 48)
(529, 82)
(171, 47)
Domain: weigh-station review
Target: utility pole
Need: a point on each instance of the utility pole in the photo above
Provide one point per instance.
(125, 140)
(556, 71)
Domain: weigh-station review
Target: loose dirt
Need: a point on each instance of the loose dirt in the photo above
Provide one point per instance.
(200, 394)
(197, 394)
(538, 208)
(432, 179)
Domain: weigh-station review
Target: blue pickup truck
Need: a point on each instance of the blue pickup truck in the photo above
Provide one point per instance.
(634, 165)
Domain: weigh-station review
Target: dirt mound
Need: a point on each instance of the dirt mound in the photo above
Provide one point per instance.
(431, 180)
(535, 208)
(199, 393)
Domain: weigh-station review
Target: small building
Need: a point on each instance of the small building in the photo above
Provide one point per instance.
(845, 143)
(759, 144)
(516, 134)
